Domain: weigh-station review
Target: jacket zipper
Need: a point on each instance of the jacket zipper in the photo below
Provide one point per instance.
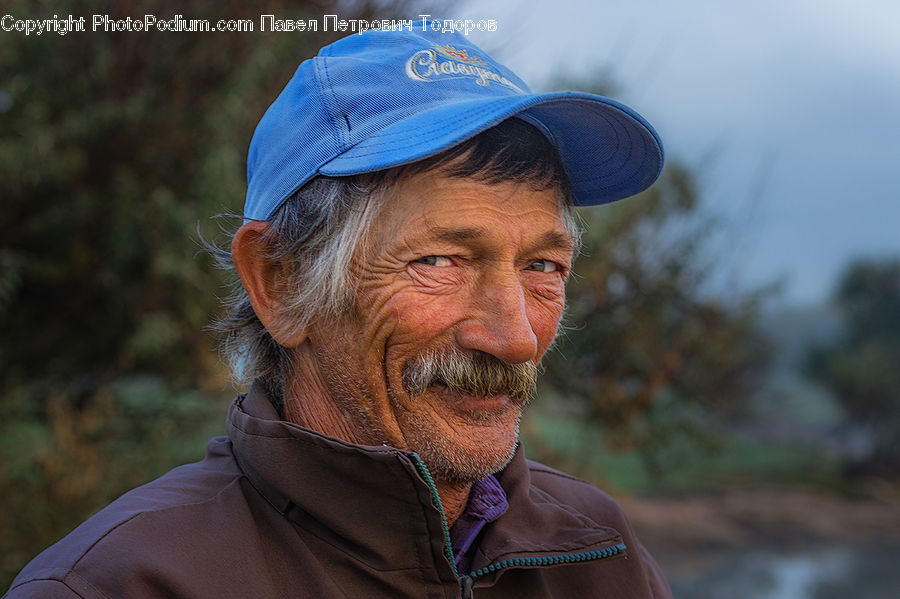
(436, 499)
(466, 582)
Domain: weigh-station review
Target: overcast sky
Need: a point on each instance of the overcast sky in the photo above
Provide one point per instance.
(789, 111)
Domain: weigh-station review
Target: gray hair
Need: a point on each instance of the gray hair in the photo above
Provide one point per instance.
(315, 234)
(319, 229)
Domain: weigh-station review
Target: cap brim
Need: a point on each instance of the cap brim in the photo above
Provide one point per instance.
(609, 151)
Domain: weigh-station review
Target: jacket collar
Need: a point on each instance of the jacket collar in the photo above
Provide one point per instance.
(368, 501)
(373, 502)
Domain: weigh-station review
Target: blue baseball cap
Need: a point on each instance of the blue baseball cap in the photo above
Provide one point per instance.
(385, 98)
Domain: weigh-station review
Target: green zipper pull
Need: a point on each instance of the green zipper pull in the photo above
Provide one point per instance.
(465, 585)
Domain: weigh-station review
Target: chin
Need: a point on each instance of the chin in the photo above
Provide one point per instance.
(481, 453)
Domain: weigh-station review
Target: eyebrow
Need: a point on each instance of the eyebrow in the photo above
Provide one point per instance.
(555, 240)
(460, 235)
(549, 240)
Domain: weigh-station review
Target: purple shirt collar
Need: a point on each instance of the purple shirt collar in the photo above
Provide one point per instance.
(487, 502)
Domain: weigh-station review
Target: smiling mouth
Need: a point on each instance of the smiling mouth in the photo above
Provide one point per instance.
(455, 390)
(475, 407)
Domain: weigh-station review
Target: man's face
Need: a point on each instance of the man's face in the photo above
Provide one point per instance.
(458, 269)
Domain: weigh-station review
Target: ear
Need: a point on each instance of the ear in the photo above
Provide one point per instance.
(263, 280)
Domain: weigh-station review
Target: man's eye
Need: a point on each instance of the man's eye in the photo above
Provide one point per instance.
(435, 260)
(543, 266)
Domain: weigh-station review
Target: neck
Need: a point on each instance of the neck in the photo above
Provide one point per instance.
(304, 406)
(454, 498)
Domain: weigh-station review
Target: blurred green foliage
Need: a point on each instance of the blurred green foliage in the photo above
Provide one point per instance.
(723, 463)
(114, 148)
(862, 366)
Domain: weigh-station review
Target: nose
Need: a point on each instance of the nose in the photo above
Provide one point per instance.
(499, 324)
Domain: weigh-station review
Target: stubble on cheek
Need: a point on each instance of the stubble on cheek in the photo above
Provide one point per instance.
(351, 393)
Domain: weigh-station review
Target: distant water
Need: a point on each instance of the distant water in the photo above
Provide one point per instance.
(825, 573)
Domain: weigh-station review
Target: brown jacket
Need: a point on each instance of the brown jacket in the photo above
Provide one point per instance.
(279, 511)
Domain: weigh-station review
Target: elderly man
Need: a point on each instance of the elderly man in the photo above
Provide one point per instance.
(408, 233)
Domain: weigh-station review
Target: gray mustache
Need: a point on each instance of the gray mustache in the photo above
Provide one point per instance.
(478, 374)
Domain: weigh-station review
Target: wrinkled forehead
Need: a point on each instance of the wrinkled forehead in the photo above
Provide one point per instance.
(441, 206)
(501, 166)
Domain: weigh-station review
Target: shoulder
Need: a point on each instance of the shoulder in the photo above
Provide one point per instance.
(136, 529)
(601, 508)
(570, 490)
